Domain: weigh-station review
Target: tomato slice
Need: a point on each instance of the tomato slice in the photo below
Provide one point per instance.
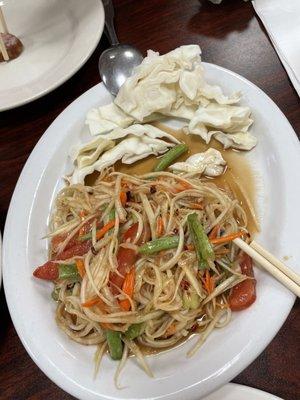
(126, 257)
(48, 271)
(146, 235)
(246, 265)
(131, 232)
(87, 227)
(58, 239)
(79, 249)
(244, 293)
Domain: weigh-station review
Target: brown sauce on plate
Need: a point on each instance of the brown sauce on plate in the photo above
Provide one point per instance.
(149, 351)
(238, 176)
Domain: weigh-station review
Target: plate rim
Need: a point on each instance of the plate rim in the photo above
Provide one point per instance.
(76, 390)
(67, 75)
(232, 386)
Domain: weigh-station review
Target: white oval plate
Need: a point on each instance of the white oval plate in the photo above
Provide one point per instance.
(58, 38)
(232, 391)
(0, 260)
(228, 351)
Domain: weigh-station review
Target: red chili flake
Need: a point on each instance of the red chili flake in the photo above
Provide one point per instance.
(128, 195)
(94, 251)
(184, 284)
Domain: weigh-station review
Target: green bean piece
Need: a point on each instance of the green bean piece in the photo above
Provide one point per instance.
(68, 271)
(203, 248)
(103, 207)
(156, 245)
(190, 301)
(134, 331)
(115, 344)
(171, 156)
(112, 214)
(55, 293)
(85, 237)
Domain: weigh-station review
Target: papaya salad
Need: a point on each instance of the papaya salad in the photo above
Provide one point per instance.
(144, 260)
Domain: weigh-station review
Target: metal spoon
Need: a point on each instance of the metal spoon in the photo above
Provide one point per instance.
(117, 62)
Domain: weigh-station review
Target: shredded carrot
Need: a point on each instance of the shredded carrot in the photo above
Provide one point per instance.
(80, 267)
(123, 198)
(222, 306)
(106, 228)
(171, 329)
(160, 227)
(183, 186)
(92, 302)
(106, 325)
(190, 247)
(82, 214)
(128, 288)
(212, 284)
(96, 301)
(214, 232)
(208, 282)
(186, 185)
(222, 252)
(228, 238)
(197, 206)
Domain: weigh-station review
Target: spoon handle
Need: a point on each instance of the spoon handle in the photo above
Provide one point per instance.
(109, 22)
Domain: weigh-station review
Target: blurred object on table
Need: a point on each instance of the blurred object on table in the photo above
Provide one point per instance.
(219, 1)
(282, 22)
(10, 46)
(58, 38)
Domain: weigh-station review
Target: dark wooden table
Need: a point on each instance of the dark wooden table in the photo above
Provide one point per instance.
(230, 35)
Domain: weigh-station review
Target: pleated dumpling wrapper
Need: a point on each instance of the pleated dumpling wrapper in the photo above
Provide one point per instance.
(227, 123)
(209, 163)
(171, 84)
(174, 85)
(106, 118)
(129, 145)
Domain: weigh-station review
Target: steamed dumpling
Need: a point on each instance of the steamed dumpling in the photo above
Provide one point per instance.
(128, 144)
(88, 154)
(106, 118)
(129, 150)
(238, 140)
(229, 125)
(160, 80)
(171, 84)
(139, 130)
(209, 163)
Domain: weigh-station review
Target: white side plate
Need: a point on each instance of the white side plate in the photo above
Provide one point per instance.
(232, 391)
(228, 351)
(58, 38)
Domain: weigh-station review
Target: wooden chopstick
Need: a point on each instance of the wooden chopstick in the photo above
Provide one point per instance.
(3, 26)
(3, 49)
(273, 260)
(275, 271)
(3, 29)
